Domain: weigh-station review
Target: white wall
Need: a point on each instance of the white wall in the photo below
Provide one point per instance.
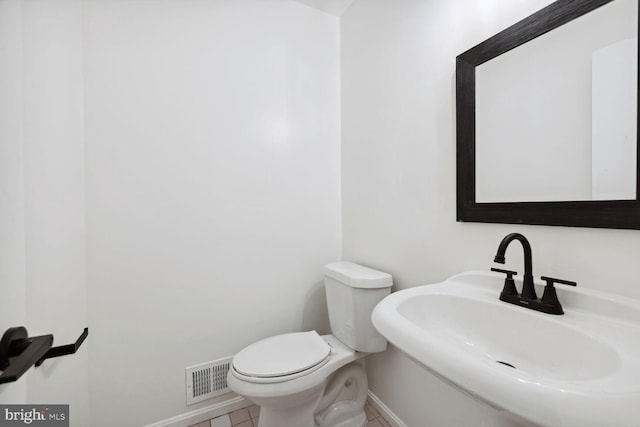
(398, 104)
(42, 222)
(12, 251)
(213, 194)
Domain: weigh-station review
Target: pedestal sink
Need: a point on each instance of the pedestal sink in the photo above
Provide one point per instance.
(577, 369)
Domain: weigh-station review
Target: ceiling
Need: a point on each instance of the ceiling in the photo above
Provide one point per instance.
(334, 7)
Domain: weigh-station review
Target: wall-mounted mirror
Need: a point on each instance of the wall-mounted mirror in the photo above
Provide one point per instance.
(547, 119)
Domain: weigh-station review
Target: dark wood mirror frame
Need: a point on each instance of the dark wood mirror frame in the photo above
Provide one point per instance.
(624, 214)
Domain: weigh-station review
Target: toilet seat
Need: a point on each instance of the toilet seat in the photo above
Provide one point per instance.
(281, 357)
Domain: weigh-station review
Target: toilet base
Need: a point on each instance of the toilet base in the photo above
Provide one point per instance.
(343, 401)
(293, 411)
(269, 418)
(339, 402)
(357, 421)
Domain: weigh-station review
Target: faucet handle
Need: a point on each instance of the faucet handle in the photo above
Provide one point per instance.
(550, 281)
(550, 297)
(509, 273)
(509, 284)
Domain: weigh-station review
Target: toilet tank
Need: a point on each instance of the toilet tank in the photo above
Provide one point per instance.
(352, 292)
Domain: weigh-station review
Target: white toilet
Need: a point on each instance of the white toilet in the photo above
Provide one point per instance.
(303, 379)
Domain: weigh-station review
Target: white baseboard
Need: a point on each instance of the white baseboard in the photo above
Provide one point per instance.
(203, 414)
(388, 415)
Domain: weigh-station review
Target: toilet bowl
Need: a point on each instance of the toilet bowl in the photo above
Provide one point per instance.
(303, 379)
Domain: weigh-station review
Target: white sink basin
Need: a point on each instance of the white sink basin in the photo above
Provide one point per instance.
(577, 369)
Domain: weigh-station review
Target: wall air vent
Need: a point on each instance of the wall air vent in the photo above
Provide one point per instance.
(207, 380)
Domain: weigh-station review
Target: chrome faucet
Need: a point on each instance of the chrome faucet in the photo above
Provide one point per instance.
(549, 302)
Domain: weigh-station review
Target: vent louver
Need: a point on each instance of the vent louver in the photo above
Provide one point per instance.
(207, 380)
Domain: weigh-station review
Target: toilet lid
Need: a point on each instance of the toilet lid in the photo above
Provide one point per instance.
(282, 355)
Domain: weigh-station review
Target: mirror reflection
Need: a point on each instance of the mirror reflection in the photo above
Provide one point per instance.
(556, 117)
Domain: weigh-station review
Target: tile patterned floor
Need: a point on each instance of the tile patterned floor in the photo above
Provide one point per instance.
(374, 418)
(248, 417)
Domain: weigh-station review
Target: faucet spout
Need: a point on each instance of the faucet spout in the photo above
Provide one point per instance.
(528, 290)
